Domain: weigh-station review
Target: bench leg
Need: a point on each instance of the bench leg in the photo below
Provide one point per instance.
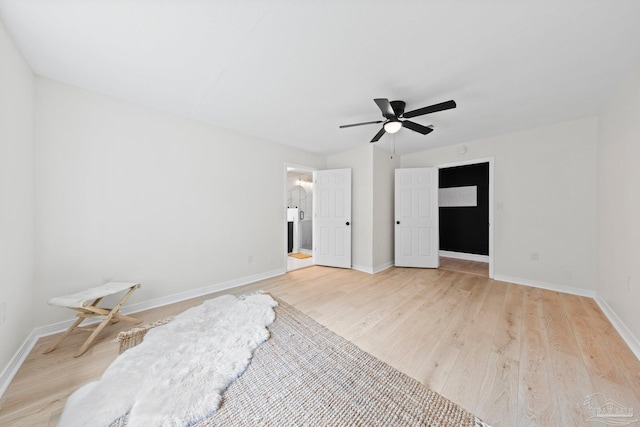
(93, 336)
(113, 316)
(62, 337)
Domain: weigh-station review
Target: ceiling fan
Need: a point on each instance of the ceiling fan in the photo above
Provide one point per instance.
(393, 111)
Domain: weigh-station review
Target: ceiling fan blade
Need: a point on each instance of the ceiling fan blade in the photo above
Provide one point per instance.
(431, 109)
(360, 124)
(416, 127)
(378, 135)
(385, 107)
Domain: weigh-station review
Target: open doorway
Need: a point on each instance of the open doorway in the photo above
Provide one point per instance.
(299, 217)
(466, 216)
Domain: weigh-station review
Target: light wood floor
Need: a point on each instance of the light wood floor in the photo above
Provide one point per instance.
(511, 354)
(464, 266)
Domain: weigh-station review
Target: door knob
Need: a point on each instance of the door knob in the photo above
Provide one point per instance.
(397, 222)
(347, 222)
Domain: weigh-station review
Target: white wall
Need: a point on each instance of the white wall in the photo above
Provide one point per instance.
(360, 161)
(544, 201)
(384, 166)
(126, 192)
(16, 198)
(371, 205)
(619, 203)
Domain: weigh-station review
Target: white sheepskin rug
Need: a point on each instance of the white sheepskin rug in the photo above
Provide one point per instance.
(177, 375)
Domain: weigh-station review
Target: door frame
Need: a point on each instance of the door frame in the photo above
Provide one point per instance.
(489, 160)
(306, 168)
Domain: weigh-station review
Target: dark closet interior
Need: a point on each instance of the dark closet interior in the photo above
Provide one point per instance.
(466, 228)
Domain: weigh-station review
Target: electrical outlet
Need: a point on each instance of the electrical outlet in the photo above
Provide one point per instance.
(535, 256)
(3, 312)
(250, 259)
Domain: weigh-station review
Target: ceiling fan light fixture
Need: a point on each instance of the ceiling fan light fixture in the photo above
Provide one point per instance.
(391, 110)
(392, 126)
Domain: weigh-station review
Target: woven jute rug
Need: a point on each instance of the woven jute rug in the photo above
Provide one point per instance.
(306, 375)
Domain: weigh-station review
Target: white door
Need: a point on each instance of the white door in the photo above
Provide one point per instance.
(416, 214)
(332, 222)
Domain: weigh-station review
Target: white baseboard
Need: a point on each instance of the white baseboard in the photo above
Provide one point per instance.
(383, 267)
(194, 293)
(12, 368)
(55, 328)
(362, 268)
(629, 338)
(16, 361)
(374, 270)
(545, 285)
(464, 256)
(626, 334)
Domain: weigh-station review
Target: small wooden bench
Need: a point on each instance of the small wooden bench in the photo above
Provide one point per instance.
(81, 302)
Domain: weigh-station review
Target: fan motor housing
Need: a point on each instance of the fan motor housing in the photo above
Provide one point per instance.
(398, 107)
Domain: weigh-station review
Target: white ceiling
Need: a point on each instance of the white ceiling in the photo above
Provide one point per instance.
(292, 71)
